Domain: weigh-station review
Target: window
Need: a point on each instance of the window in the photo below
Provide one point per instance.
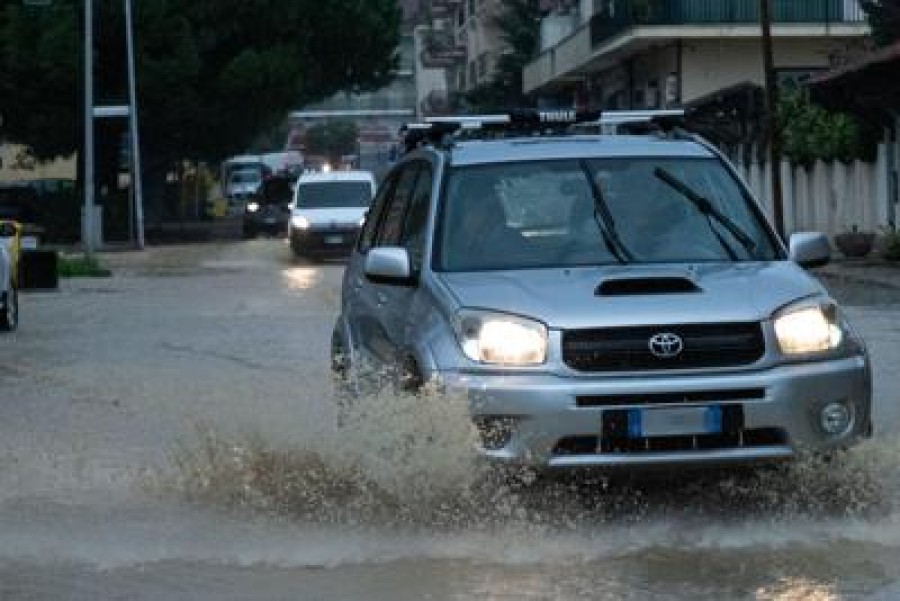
(391, 226)
(482, 65)
(415, 227)
(367, 236)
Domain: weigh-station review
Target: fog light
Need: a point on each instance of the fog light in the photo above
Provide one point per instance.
(496, 431)
(835, 418)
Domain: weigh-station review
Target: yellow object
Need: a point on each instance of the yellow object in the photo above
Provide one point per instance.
(218, 207)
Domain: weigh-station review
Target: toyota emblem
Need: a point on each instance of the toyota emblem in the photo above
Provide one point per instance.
(666, 345)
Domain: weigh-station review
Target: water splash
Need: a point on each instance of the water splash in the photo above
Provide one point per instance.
(411, 460)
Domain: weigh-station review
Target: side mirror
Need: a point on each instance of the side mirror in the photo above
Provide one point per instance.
(389, 265)
(810, 249)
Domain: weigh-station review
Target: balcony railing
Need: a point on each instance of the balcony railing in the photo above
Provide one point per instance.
(616, 16)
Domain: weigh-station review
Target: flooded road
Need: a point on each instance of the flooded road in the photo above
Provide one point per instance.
(167, 434)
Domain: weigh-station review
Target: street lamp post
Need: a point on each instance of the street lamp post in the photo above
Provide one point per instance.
(88, 225)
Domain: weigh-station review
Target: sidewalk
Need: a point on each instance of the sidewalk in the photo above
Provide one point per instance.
(864, 271)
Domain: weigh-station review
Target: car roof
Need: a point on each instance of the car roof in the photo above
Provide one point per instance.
(337, 176)
(475, 152)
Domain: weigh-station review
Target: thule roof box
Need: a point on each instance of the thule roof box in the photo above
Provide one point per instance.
(442, 131)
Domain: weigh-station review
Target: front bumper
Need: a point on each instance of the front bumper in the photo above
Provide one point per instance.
(560, 421)
(323, 241)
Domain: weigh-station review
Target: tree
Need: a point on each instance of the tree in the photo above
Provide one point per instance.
(212, 74)
(884, 17)
(519, 25)
(333, 139)
(811, 133)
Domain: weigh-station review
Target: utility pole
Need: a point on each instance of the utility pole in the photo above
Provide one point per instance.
(136, 183)
(88, 225)
(774, 135)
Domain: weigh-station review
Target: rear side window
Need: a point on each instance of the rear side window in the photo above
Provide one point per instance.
(367, 236)
(391, 227)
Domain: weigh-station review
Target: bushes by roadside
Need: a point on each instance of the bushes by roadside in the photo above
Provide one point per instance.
(81, 266)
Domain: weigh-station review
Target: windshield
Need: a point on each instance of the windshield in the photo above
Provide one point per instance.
(245, 177)
(327, 195)
(599, 211)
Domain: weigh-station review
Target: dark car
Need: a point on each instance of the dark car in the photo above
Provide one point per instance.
(268, 211)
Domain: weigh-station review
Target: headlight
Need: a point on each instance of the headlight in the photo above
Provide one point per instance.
(362, 221)
(252, 207)
(501, 339)
(810, 329)
(300, 222)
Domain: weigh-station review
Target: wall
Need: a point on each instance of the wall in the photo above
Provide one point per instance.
(710, 65)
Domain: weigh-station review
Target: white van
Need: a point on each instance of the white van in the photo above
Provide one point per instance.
(328, 211)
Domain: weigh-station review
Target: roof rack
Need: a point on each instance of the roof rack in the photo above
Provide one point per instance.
(443, 131)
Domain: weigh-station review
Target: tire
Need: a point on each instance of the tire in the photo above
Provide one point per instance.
(9, 317)
(342, 378)
(409, 376)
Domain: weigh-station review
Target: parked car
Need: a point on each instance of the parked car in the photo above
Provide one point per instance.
(612, 301)
(268, 211)
(9, 253)
(328, 211)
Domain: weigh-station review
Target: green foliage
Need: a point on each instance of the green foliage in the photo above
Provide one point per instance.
(884, 18)
(519, 25)
(891, 245)
(332, 139)
(810, 133)
(81, 266)
(212, 74)
(40, 77)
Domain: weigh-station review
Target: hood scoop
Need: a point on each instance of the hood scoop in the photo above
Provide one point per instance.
(646, 285)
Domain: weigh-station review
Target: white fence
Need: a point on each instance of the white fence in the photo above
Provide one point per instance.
(828, 197)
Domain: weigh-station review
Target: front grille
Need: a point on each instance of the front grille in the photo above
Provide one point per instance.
(628, 348)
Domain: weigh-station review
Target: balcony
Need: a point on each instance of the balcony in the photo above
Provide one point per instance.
(618, 16)
(620, 29)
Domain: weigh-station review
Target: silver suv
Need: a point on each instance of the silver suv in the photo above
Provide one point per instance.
(604, 300)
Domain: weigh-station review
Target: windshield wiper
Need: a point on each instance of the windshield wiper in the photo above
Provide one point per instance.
(605, 221)
(707, 208)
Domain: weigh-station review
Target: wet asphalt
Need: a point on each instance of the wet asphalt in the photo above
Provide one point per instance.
(167, 433)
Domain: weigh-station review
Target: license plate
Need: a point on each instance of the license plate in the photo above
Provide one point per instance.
(680, 421)
(269, 221)
(334, 239)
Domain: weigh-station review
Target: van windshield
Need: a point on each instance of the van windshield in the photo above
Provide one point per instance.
(326, 195)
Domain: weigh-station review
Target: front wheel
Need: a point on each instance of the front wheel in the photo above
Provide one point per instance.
(9, 317)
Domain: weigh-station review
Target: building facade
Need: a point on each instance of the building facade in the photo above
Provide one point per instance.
(647, 54)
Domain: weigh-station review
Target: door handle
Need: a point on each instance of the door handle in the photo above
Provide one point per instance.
(357, 285)
(381, 299)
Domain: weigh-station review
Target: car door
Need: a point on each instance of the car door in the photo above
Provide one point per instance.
(396, 309)
(357, 308)
(378, 328)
